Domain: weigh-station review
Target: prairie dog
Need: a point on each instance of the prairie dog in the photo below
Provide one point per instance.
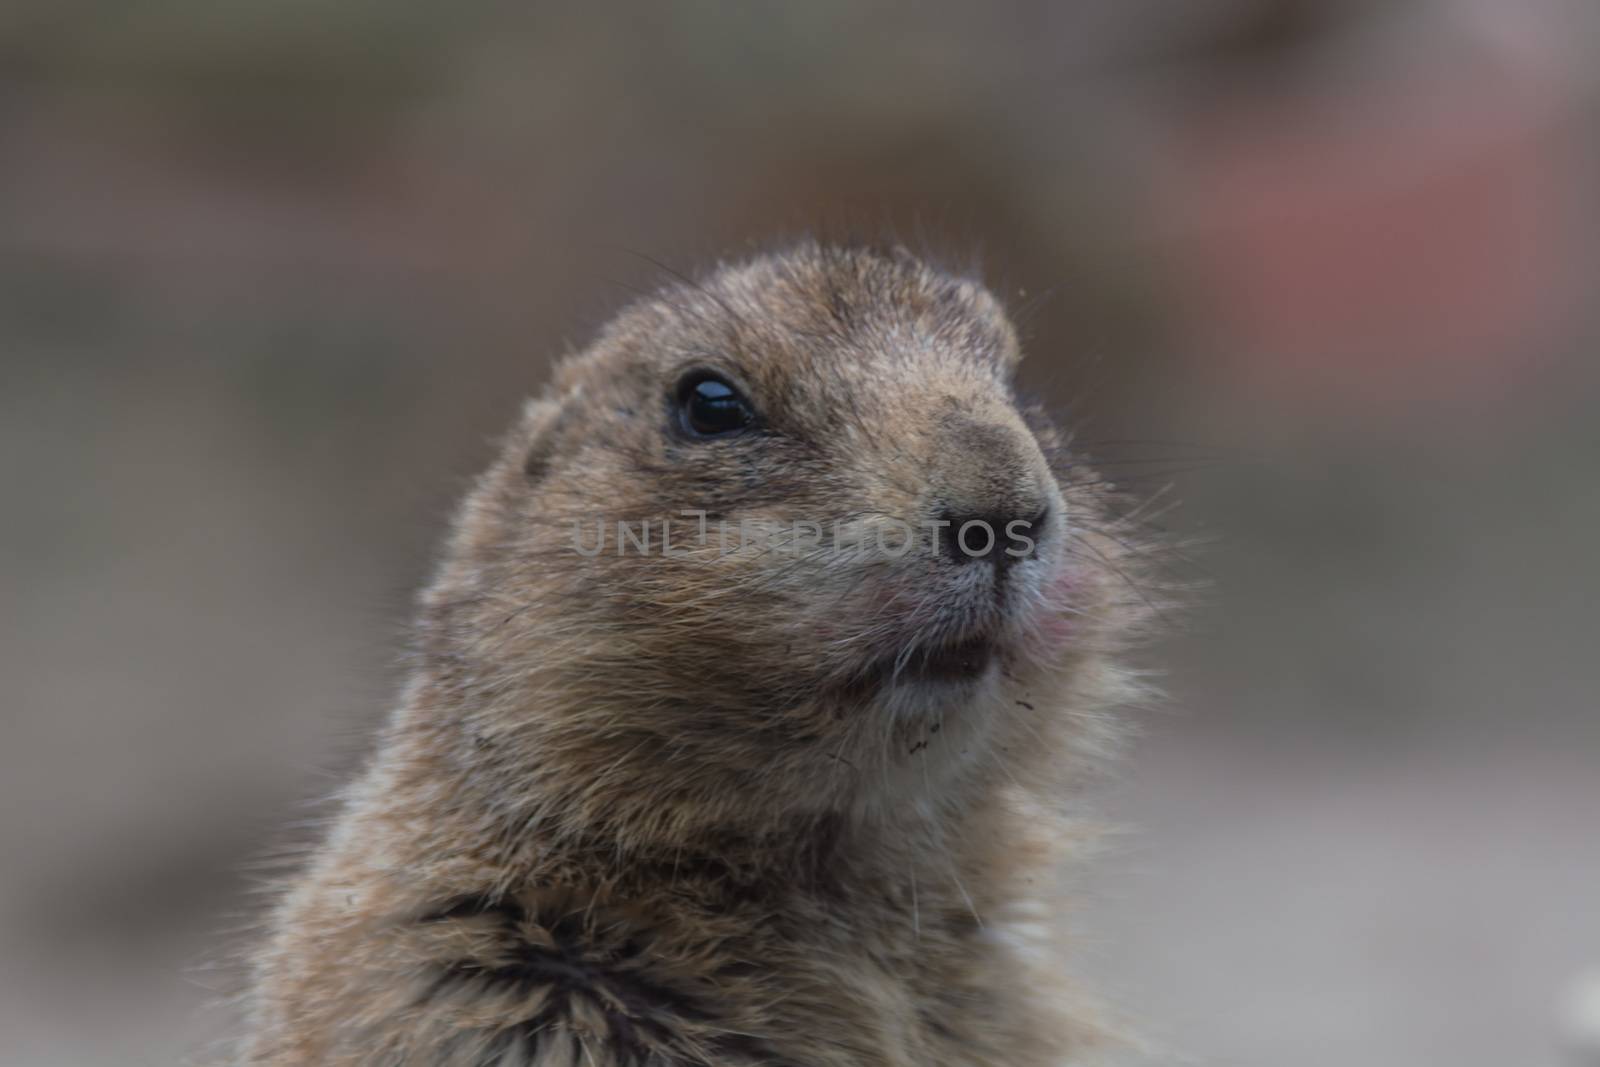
(731, 739)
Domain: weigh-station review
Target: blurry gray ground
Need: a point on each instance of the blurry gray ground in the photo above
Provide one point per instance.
(1284, 905)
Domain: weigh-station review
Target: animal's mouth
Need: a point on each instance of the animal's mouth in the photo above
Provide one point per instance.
(953, 662)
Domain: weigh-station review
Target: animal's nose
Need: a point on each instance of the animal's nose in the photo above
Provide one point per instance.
(991, 491)
(999, 538)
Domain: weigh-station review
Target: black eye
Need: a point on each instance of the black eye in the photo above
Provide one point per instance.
(711, 407)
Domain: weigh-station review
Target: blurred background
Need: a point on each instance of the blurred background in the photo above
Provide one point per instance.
(1321, 273)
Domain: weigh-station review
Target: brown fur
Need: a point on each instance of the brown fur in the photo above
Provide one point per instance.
(649, 810)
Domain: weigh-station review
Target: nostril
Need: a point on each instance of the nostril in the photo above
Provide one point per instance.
(966, 537)
(1000, 539)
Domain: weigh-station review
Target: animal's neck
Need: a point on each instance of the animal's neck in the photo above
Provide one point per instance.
(521, 824)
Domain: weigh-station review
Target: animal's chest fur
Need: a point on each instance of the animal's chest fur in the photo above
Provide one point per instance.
(810, 983)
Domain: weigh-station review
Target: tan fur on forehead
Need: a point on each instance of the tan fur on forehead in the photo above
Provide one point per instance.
(673, 808)
(811, 308)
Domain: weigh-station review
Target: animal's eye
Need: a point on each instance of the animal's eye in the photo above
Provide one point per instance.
(711, 407)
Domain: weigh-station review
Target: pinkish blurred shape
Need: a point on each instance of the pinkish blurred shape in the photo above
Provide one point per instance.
(1397, 236)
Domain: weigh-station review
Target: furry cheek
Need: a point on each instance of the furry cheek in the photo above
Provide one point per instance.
(1054, 621)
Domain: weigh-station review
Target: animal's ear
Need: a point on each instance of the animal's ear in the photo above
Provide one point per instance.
(540, 417)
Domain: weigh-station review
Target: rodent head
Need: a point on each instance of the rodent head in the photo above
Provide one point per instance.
(778, 544)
